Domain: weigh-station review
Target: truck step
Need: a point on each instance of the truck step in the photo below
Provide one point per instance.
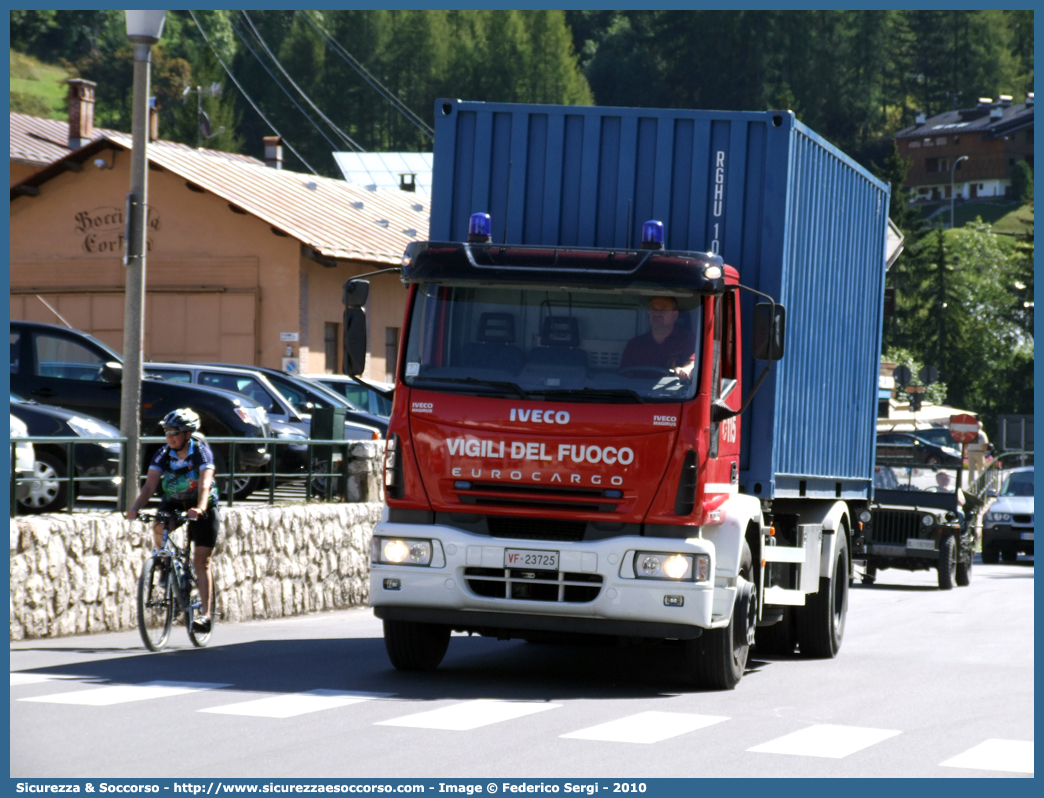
(782, 595)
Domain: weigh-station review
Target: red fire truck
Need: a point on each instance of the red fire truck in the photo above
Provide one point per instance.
(567, 456)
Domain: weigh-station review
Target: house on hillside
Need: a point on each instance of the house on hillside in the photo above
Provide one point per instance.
(994, 135)
(246, 260)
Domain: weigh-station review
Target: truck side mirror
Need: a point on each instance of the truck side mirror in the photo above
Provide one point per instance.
(112, 372)
(354, 298)
(769, 332)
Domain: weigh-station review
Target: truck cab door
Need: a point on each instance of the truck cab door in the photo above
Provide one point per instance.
(723, 467)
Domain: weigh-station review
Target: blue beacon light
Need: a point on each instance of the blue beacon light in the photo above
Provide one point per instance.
(652, 235)
(479, 228)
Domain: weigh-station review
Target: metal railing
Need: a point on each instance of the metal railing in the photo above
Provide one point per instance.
(993, 474)
(324, 470)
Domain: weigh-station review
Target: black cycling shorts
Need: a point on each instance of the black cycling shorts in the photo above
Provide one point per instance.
(204, 530)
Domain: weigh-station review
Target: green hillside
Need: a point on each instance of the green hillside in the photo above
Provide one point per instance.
(37, 88)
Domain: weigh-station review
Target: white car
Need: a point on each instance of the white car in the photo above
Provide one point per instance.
(1007, 528)
(25, 459)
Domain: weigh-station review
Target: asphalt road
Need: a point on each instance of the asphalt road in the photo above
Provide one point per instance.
(927, 684)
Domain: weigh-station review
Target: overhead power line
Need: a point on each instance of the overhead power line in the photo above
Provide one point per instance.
(247, 96)
(348, 139)
(368, 76)
(275, 80)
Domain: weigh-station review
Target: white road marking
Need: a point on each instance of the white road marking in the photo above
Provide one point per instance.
(645, 727)
(124, 693)
(469, 715)
(1011, 756)
(832, 742)
(290, 706)
(19, 678)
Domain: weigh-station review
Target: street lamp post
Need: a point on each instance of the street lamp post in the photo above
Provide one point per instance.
(144, 29)
(952, 170)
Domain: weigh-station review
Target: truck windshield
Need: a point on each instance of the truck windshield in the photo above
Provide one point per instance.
(560, 345)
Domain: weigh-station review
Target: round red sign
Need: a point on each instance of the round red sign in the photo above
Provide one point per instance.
(964, 428)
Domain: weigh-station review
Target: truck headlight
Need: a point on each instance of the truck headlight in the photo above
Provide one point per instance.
(400, 551)
(667, 565)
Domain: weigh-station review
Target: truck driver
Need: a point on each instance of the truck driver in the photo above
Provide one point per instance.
(666, 346)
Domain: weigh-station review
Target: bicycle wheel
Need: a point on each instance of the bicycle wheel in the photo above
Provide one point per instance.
(155, 605)
(200, 638)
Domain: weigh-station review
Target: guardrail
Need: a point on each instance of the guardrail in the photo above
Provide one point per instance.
(324, 466)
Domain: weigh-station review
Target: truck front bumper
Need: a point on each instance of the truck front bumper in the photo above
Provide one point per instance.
(603, 595)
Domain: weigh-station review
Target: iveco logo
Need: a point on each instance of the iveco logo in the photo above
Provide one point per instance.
(540, 416)
(423, 407)
(665, 421)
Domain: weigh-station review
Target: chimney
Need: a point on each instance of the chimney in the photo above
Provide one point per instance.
(919, 119)
(997, 111)
(153, 120)
(408, 182)
(81, 112)
(1005, 100)
(985, 102)
(1029, 100)
(274, 152)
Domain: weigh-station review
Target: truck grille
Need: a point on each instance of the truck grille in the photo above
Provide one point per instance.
(895, 526)
(535, 528)
(525, 584)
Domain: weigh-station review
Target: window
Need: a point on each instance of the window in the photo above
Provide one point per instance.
(247, 386)
(391, 352)
(928, 142)
(941, 141)
(66, 359)
(914, 145)
(330, 337)
(16, 348)
(169, 376)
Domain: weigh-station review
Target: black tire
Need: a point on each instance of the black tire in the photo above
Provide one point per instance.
(415, 646)
(51, 494)
(155, 605)
(990, 555)
(964, 572)
(199, 638)
(821, 622)
(1009, 554)
(244, 484)
(780, 639)
(717, 658)
(947, 566)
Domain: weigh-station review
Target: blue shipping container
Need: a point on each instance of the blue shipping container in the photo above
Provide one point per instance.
(799, 219)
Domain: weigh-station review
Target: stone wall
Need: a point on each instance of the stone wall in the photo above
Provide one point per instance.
(77, 573)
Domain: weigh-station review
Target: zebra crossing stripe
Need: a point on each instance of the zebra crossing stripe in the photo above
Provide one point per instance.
(645, 727)
(290, 706)
(469, 715)
(1010, 756)
(19, 678)
(831, 742)
(124, 693)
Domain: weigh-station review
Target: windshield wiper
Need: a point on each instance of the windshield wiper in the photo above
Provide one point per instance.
(506, 386)
(595, 393)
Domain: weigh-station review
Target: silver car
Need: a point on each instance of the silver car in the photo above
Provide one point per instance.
(1007, 528)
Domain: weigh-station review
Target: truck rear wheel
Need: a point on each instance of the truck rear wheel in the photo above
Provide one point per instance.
(947, 562)
(415, 646)
(821, 622)
(718, 657)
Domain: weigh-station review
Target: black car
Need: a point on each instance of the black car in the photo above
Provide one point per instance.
(904, 448)
(73, 370)
(98, 464)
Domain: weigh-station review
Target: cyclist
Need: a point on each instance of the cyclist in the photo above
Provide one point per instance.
(184, 471)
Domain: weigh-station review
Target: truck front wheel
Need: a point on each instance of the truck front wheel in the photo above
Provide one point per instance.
(415, 646)
(821, 622)
(718, 657)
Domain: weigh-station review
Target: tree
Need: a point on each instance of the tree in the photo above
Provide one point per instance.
(1022, 181)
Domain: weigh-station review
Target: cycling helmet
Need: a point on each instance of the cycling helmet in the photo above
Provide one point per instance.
(184, 418)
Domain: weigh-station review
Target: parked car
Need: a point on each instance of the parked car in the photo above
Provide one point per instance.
(74, 370)
(288, 404)
(1007, 528)
(904, 448)
(24, 460)
(305, 395)
(100, 462)
(376, 399)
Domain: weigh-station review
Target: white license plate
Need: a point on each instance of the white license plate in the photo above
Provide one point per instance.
(920, 545)
(526, 558)
(1026, 536)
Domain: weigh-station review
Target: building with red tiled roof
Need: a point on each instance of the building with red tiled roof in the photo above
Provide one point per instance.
(994, 135)
(242, 256)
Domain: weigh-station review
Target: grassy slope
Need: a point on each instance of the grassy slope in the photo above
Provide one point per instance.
(37, 88)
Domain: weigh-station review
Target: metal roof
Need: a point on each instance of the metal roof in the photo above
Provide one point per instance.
(336, 219)
(383, 169)
(973, 120)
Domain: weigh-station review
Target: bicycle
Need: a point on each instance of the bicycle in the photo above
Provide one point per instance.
(167, 587)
